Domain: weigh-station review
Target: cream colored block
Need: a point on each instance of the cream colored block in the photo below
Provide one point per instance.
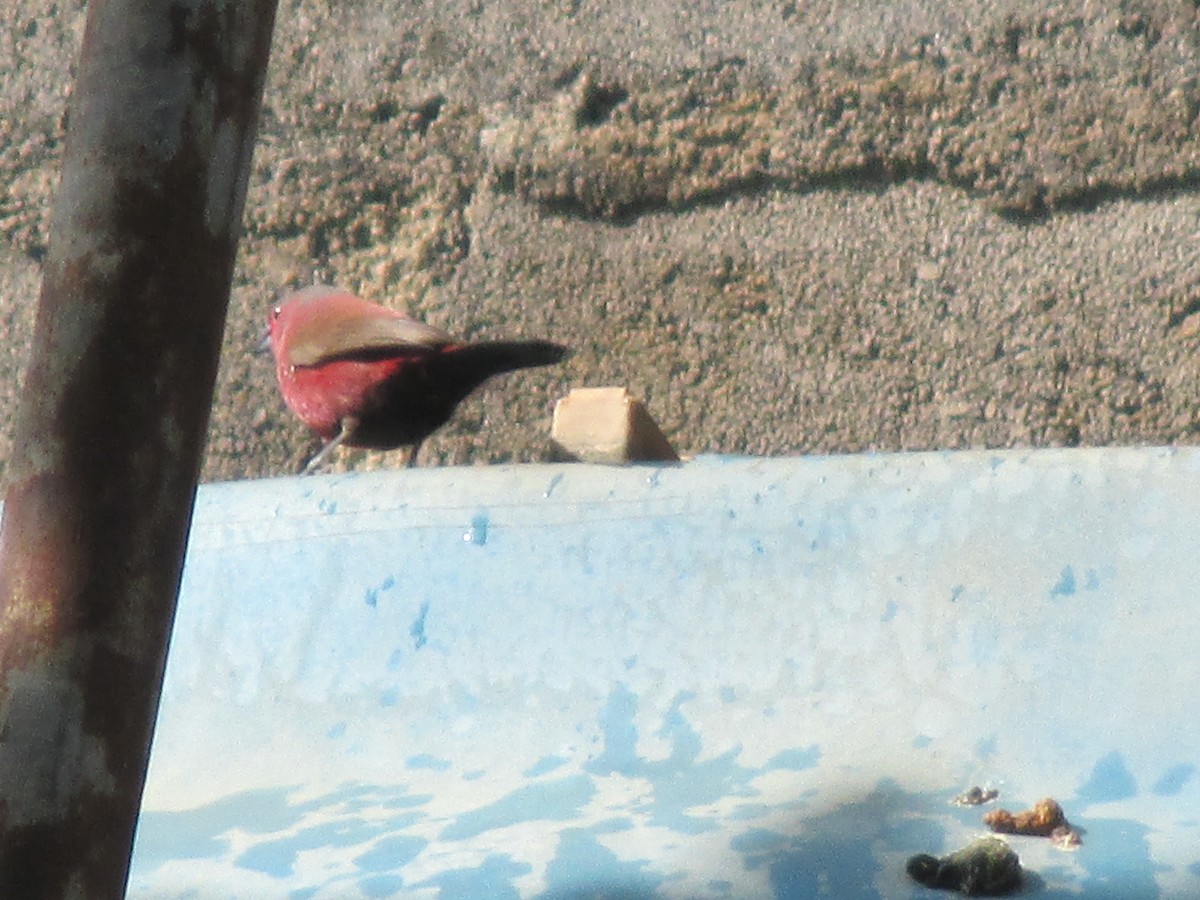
(608, 425)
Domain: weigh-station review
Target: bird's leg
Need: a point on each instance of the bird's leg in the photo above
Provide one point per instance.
(412, 456)
(348, 425)
(323, 454)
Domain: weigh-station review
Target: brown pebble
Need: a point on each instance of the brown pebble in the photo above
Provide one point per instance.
(1042, 820)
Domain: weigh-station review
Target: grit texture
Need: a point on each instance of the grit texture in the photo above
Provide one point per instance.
(790, 227)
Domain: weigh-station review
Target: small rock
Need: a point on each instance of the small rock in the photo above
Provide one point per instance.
(987, 867)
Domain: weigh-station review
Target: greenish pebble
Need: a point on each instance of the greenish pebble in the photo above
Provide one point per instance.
(987, 867)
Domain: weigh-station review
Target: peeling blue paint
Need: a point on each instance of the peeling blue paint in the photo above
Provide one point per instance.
(490, 880)
(583, 867)
(545, 765)
(985, 747)
(427, 761)
(557, 801)
(1117, 861)
(417, 630)
(277, 857)
(1065, 586)
(797, 759)
(554, 482)
(379, 886)
(390, 853)
(1110, 780)
(1173, 780)
(477, 534)
(619, 734)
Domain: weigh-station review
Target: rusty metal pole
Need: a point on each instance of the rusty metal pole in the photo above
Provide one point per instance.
(112, 422)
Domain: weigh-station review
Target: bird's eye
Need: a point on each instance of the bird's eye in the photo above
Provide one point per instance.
(276, 311)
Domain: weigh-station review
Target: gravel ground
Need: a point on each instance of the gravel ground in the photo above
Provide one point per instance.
(790, 227)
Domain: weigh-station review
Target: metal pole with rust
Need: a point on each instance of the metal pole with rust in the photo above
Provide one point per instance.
(112, 421)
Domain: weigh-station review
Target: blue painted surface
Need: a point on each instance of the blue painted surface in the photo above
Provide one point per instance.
(728, 679)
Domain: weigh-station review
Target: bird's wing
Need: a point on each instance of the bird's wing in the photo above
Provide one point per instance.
(362, 336)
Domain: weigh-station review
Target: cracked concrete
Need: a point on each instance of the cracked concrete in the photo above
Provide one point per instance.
(791, 228)
(1031, 116)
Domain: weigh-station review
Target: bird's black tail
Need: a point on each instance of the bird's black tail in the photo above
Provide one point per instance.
(461, 369)
(493, 357)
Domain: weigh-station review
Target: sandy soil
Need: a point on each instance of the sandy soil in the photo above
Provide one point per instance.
(791, 227)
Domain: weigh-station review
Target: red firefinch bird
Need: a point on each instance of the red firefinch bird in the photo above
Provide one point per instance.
(363, 375)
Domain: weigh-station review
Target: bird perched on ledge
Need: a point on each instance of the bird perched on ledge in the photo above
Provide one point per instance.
(364, 375)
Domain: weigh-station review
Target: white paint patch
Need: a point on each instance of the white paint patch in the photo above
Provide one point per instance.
(45, 760)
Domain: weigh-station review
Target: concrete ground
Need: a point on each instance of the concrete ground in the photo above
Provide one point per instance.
(791, 227)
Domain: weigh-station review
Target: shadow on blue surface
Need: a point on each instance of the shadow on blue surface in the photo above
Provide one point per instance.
(830, 854)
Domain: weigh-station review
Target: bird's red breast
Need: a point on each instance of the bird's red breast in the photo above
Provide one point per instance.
(367, 376)
(332, 349)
